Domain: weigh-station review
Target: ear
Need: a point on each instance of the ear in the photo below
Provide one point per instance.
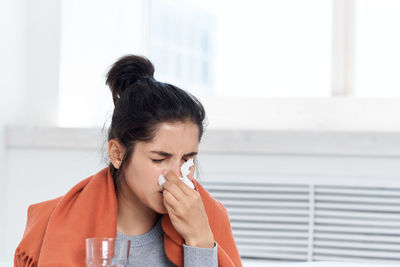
(116, 152)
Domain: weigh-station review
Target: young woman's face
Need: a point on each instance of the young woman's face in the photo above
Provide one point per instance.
(173, 144)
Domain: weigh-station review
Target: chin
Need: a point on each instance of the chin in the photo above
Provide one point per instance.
(162, 210)
(159, 208)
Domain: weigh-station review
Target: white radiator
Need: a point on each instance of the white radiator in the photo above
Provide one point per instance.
(300, 222)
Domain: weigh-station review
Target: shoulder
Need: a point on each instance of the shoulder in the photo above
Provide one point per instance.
(38, 216)
(43, 207)
(39, 213)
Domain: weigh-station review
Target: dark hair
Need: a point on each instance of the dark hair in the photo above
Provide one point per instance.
(142, 103)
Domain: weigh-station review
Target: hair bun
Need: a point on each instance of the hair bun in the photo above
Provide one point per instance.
(126, 71)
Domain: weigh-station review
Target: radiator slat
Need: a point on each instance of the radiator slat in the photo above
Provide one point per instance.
(365, 215)
(344, 258)
(270, 241)
(359, 207)
(271, 235)
(360, 237)
(358, 253)
(255, 203)
(357, 199)
(355, 244)
(268, 219)
(268, 248)
(267, 211)
(260, 196)
(269, 226)
(357, 222)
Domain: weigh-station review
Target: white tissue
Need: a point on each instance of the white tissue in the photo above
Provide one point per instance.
(161, 180)
(185, 170)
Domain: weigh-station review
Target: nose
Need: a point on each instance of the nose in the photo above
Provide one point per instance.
(175, 168)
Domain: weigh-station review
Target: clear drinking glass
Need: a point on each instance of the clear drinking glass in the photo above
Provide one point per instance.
(106, 252)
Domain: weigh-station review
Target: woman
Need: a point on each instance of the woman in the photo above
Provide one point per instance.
(155, 128)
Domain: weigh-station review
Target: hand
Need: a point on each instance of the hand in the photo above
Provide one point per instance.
(187, 213)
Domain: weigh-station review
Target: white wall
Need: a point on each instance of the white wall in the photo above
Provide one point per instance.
(42, 62)
(29, 75)
(12, 86)
(30, 61)
(88, 48)
(47, 173)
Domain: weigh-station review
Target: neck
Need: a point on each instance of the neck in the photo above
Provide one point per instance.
(133, 218)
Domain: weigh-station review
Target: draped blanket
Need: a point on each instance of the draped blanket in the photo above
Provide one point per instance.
(56, 229)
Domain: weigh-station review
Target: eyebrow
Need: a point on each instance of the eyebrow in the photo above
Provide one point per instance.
(166, 154)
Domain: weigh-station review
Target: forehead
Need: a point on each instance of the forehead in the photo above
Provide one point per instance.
(175, 136)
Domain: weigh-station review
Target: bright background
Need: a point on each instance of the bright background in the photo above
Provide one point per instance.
(308, 88)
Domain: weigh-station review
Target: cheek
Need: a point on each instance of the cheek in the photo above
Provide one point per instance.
(144, 176)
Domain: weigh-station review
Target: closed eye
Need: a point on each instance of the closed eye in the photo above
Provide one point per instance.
(157, 160)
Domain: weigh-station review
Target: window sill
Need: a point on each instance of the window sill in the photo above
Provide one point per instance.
(285, 142)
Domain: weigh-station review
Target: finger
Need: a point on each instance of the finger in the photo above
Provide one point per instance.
(173, 217)
(185, 188)
(170, 201)
(175, 189)
(169, 208)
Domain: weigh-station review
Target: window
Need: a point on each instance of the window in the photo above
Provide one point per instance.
(255, 48)
(181, 45)
(245, 53)
(377, 42)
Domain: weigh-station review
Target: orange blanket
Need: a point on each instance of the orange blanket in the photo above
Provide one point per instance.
(56, 229)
